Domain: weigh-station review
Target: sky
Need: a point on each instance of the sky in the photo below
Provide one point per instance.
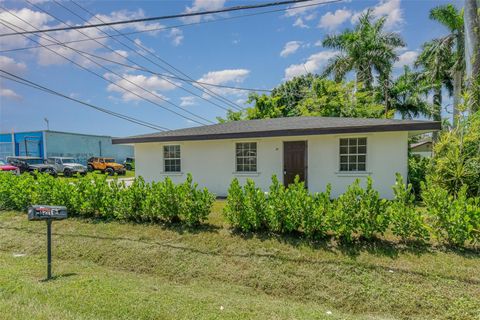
(257, 51)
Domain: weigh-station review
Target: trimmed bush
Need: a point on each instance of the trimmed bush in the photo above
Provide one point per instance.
(359, 211)
(94, 196)
(315, 223)
(406, 221)
(246, 207)
(456, 219)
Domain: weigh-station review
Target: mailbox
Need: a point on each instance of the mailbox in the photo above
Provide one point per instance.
(39, 212)
(48, 214)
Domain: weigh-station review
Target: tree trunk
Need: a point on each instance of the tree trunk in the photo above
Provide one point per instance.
(437, 112)
(472, 51)
(457, 91)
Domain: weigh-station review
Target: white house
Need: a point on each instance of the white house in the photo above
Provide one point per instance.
(320, 150)
(423, 148)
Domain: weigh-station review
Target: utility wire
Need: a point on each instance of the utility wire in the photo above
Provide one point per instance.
(176, 26)
(139, 45)
(108, 80)
(182, 15)
(124, 56)
(23, 81)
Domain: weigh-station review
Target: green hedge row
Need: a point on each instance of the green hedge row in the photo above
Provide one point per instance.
(358, 212)
(95, 196)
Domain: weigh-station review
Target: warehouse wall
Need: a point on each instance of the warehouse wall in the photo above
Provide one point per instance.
(82, 147)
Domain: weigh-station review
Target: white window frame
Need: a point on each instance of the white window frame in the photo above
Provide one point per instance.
(349, 154)
(165, 158)
(236, 157)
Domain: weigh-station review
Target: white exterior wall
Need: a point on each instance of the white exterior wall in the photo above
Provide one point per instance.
(212, 162)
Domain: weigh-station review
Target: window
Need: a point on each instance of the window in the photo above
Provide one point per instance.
(353, 154)
(246, 157)
(171, 158)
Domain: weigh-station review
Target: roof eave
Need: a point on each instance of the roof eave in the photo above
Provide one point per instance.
(424, 126)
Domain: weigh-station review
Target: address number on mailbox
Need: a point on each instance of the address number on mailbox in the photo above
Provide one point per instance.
(39, 212)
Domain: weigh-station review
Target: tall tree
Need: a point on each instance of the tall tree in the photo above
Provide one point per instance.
(436, 62)
(407, 95)
(472, 52)
(454, 44)
(366, 49)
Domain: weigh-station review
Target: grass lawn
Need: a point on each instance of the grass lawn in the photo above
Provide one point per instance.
(112, 270)
(128, 174)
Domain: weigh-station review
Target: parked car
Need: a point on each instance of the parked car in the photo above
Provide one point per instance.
(67, 166)
(32, 164)
(105, 165)
(8, 167)
(129, 163)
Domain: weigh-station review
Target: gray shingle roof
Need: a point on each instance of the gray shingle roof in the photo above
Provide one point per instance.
(291, 126)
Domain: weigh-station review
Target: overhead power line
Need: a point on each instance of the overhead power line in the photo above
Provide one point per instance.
(121, 56)
(108, 80)
(175, 26)
(207, 91)
(125, 56)
(25, 82)
(166, 17)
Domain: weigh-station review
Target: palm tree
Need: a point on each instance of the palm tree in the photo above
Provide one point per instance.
(364, 50)
(452, 44)
(436, 63)
(407, 95)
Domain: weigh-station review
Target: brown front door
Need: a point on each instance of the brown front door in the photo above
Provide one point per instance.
(294, 161)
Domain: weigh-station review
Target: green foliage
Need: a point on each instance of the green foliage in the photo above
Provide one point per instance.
(235, 211)
(406, 221)
(96, 197)
(246, 207)
(366, 49)
(311, 95)
(455, 218)
(314, 223)
(286, 210)
(328, 98)
(359, 211)
(417, 171)
(456, 161)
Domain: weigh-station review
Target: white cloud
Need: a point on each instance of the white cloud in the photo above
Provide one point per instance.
(9, 94)
(313, 64)
(202, 5)
(225, 76)
(302, 9)
(10, 65)
(187, 101)
(331, 20)
(406, 58)
(138, 84)
(37, 19)
(228, 76)
(177, 36)
(391, 9)
(300, 24)
(127, 15)
(40, 20)
(290, 48)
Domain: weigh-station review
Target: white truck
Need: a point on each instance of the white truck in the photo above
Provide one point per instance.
(67, 166)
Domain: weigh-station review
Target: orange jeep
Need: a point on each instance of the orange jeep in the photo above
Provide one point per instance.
(105, 165)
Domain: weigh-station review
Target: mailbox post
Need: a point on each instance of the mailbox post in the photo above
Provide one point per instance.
(47, 213)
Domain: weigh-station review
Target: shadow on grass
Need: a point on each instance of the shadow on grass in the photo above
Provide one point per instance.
(59, 276)
(354, 247)
(351, 249)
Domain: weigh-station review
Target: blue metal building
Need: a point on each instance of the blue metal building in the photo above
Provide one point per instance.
(47, 143)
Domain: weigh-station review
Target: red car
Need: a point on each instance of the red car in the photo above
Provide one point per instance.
(7, 167)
